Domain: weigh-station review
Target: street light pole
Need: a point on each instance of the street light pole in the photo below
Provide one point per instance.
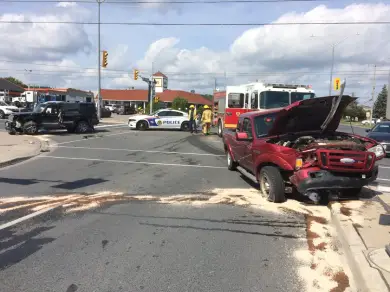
(331, 72)
(99, 66)
(373, 97)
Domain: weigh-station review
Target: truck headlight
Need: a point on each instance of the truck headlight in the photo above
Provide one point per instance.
(378, 150)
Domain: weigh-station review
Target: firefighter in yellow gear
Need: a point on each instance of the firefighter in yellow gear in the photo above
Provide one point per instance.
(206, 120)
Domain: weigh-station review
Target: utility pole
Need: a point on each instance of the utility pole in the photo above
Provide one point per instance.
(388, 99)
(99, 112)
(331, 71)
(373, 96)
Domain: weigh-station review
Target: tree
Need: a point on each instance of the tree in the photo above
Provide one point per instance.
(16, 81)
(156, 106)
(208, 96)
(180, 103)
(354, 110)
(380, 104)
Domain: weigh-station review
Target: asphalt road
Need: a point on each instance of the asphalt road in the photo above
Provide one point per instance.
(149, 243)
(142, 245)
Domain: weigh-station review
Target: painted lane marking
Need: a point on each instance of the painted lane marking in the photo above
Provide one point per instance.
(137, 150)
(386, 179)
(380, 166)
(37, 213)
(114, 125)
(131, 162)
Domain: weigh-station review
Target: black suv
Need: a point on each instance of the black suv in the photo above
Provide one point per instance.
(74, 117)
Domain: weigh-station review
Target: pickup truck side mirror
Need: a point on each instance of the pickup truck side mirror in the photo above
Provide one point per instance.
(368, 130)
(242, 136)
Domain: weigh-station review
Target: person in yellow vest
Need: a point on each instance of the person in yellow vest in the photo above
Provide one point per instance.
(192, 118)
(206, 119)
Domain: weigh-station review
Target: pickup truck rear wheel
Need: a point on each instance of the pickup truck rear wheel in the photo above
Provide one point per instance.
(232, 165)
(272, 184)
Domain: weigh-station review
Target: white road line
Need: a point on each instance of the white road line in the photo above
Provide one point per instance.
(37, 213)
(92, 138)
(380, 166)
(131, 162)
(114, 125)
(136, 150)
(386, 179)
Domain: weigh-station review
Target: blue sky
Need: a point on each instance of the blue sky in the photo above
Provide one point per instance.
(262, 50)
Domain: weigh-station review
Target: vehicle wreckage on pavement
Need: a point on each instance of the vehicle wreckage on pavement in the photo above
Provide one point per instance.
(298, 148)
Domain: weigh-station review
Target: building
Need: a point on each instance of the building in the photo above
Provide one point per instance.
(139, 97)
(9, 90)
(60, 94)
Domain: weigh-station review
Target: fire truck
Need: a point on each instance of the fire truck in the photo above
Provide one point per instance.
(230, 104)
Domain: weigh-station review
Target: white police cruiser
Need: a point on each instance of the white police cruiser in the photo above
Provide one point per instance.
(161, 119)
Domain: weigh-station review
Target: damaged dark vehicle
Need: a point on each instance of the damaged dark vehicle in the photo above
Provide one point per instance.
(299, 149)
(74, 117)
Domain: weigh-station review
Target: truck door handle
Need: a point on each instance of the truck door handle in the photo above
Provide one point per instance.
(228, 114)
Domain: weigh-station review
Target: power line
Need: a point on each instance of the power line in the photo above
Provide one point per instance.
(197, 24)
(165, 2)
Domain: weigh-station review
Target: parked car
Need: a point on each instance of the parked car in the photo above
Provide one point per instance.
(74, 117)
(6, 109)
(381, 133)
(298, 149)
(106, 113)
(126, 110)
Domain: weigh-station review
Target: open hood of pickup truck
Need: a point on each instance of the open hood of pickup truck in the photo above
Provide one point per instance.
(310, 115)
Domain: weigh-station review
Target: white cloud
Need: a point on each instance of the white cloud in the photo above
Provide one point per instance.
(66, 4)
(298, 53)
(40, 41)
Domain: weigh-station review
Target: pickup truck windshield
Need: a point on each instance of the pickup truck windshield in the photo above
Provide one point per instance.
(263, 124)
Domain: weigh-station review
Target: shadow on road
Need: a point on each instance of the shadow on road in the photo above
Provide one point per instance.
(81, 183)
(15, 247)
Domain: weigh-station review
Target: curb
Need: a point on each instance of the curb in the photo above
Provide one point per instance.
(366, 277)
(44, 147)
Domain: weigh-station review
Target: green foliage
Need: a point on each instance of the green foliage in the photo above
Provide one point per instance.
(354, 110)
(380, 104)
(180, 103)
(199, 110)
(16, 81)
(156, 106)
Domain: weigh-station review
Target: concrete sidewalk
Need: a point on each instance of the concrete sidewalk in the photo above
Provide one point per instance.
(364, 230)
(17, 148)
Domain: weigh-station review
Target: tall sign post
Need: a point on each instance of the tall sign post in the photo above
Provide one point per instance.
(388, 100)
(151, 84)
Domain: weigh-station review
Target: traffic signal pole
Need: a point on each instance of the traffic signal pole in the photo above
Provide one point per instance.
(99, 107)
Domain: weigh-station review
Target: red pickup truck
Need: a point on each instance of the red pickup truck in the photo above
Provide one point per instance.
(297, 148)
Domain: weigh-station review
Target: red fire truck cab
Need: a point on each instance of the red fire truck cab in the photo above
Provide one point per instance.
(257, 96)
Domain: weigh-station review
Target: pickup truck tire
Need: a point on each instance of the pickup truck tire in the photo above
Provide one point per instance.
(220, 130)
(232, 165)
(2, 115)
(272, 184)
(30, 128)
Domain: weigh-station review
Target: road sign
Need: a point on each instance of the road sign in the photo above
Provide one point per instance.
(336, 84)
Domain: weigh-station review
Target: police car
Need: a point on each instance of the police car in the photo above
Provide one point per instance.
(161, 119)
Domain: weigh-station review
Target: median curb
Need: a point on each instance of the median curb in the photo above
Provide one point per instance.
(44, 146)
(365, 276)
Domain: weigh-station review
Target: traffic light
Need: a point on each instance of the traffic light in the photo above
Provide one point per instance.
(136, 74)
(156, 99)
(104, 61)
(336, 84)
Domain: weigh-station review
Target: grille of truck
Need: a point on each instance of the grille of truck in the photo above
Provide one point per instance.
(354, 161)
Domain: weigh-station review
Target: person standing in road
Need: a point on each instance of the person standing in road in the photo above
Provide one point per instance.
(206, 120)
(192, 116)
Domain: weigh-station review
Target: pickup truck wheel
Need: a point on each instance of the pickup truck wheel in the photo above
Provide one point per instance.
(220, 128)
(232, 165)
(2, 115)
(30, 128)
(272, 184)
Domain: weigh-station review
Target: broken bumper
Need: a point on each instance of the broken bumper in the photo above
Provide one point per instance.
(326, 180)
